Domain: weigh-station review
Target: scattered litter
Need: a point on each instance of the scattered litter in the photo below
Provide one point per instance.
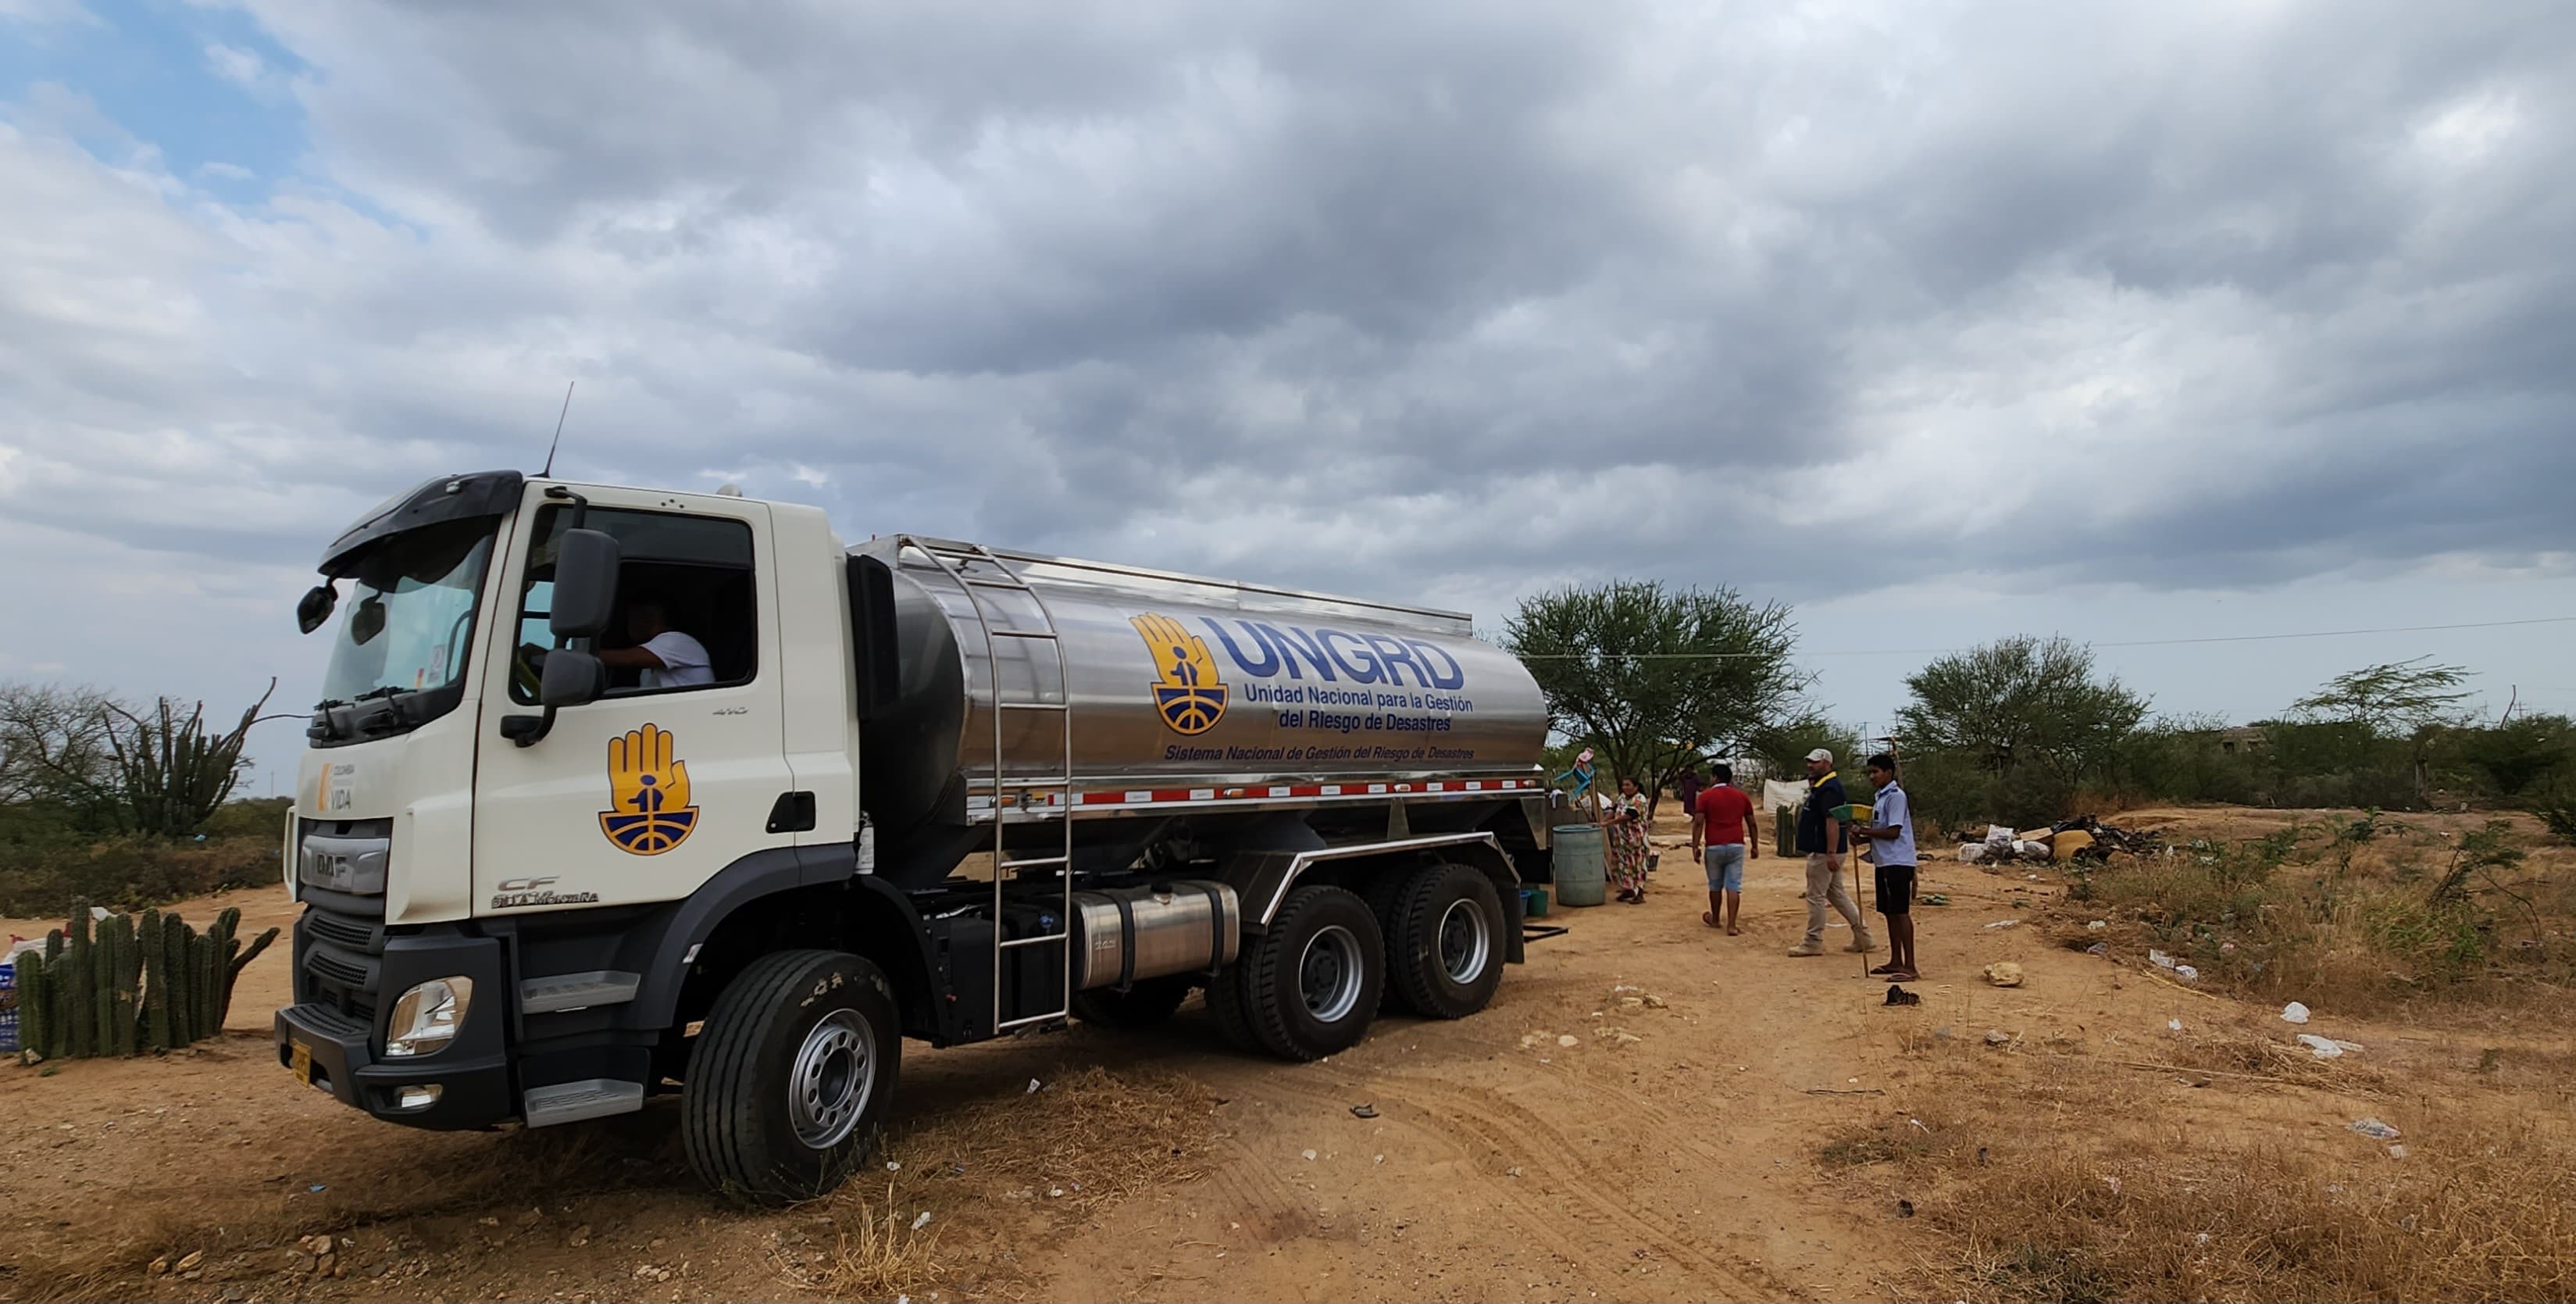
(317, 1188)
(2004, 923)
(2201, 1239)
(2004, 973)
(1899, 996)
(2163, 961)
(2320, 1046)
(1511, 1172)
(1310, 1156)
(2032, 877)
(1655, 1003)
(2097, 926)
(2187, 973)
(2374, 1129)
(2173, 1025)
(1936, 899)
(1997, 1037)
(1363, 1111)
(1632, 1002)
(1974, 853)
(194, 1258)
(1381, 1159)
(922, 1221)
(1569, 1041)
(2098, 948)
(2294, 1013)
(1035, 1087)
(894, 1166)
(1918, 1126)
(1057, 1192)
(2396, 1152)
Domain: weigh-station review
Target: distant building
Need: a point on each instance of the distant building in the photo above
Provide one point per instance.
(2243, 741)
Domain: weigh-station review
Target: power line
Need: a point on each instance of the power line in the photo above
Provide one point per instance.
(2148, 642)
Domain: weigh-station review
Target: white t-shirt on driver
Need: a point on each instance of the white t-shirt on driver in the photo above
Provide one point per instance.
(684, 662)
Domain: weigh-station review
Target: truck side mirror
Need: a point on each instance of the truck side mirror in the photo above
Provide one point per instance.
(878, 661)
(315, 607)
(572, 678)
(585, 595)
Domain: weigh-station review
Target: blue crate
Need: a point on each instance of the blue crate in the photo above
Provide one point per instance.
(9, 1009)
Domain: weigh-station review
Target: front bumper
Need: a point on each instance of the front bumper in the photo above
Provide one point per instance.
(336, 1052)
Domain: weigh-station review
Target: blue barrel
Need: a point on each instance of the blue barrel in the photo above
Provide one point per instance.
(1580, 880)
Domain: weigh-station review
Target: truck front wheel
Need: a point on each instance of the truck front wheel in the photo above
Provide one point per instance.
(1312, 981)
(788, 1086)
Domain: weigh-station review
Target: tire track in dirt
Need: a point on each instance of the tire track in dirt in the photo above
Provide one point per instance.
(1506, 1136)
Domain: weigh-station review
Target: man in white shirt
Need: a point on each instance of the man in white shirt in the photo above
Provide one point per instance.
(665, 657)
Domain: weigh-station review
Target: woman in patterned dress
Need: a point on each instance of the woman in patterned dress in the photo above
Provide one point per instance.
(1625, 842)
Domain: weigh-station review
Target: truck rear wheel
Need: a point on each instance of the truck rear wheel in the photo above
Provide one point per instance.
(1310, 984)
(1445, 941)
(1148, 1002)
(788, 1086)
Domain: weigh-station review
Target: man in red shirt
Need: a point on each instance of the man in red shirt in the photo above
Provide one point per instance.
(1732, 837)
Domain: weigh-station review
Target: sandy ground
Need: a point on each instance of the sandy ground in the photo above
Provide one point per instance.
(1676, 1162)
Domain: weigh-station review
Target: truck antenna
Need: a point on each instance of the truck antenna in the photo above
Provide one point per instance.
(558, 441)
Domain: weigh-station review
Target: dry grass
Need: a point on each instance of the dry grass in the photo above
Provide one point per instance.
(2356, 913)
(2476, 1211)
(982, 1168)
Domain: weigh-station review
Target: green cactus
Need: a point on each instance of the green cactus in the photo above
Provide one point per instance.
(81, 989)
(174, 958)
(102, 990)
(58, 1019)
(202, 977)
(32, 1005)
(129, 978)
(156, 985)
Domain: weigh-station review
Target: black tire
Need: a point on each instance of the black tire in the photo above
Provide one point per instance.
(1382, 892)
(1148, 1002)
(744, 1134)
(1309, 985)
(1225, 1006)
(1444, 952)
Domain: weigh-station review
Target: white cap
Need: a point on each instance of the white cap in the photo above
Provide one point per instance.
(1820, 754)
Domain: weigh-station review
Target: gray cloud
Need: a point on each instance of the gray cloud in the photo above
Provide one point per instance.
(2175, 296)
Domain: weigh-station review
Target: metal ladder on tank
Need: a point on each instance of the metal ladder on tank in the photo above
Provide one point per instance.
(954, 560)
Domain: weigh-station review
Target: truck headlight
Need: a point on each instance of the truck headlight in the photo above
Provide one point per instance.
(427, 1017)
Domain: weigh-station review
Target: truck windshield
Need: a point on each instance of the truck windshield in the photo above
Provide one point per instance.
(412, 621)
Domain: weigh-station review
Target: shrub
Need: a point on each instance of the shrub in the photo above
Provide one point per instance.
(131, 873)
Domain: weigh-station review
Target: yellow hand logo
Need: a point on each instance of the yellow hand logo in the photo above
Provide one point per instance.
(648, 791)
(1186, 690)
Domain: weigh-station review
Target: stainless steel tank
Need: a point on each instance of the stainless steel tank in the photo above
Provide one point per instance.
(1177, 681)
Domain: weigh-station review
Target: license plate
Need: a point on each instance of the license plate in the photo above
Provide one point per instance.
(300, 1058)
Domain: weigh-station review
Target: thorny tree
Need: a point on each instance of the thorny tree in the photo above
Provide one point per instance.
(1653, 676)
(2020, 702)
(2406, 700)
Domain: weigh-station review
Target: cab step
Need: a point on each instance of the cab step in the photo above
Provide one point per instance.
(578, 991)
(571, 1102)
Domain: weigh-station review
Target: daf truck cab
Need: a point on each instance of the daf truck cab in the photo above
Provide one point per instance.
(556, 861)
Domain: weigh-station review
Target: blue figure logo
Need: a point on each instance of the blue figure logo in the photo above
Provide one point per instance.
(648, 791)
(1187, 693)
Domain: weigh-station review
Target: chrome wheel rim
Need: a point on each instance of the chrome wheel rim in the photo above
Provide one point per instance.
(835, 1073)
(1466, 941)
(1329, 973)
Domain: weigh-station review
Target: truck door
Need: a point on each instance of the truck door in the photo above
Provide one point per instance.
(649, 791)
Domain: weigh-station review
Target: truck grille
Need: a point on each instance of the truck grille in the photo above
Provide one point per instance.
(340, 942)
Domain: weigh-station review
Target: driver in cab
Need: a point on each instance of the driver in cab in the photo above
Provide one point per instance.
(663, 657)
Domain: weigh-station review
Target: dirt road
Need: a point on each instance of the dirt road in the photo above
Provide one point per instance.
(1668, 1152)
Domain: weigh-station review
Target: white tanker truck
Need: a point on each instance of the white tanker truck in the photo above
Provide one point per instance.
(918, 788)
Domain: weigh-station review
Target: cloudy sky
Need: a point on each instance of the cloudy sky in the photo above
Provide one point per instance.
(1938, 320)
